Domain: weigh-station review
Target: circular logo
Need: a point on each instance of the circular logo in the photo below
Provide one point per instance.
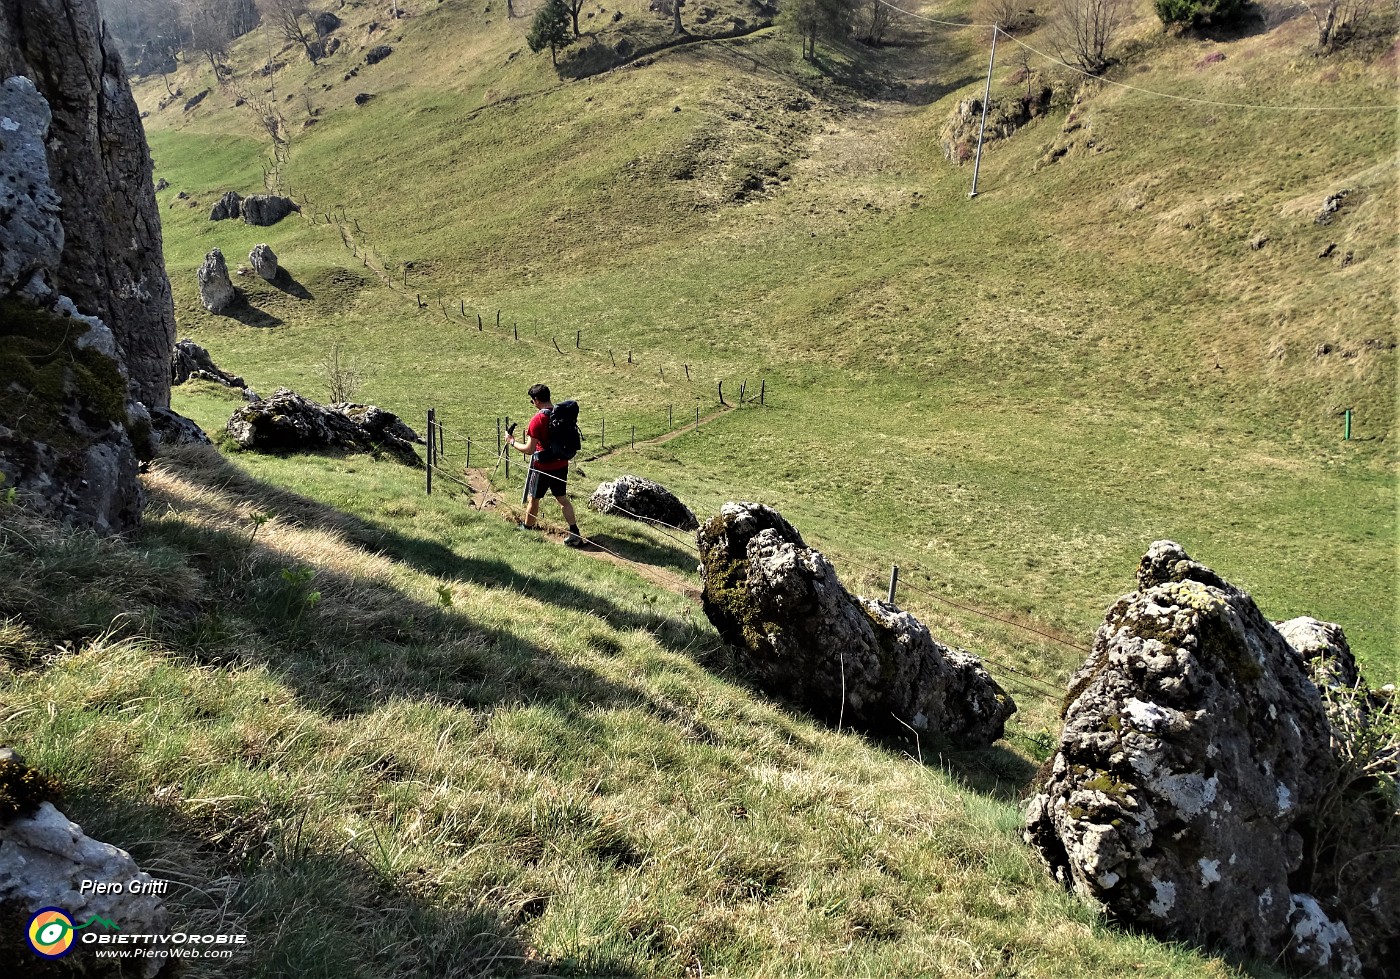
(51, 933)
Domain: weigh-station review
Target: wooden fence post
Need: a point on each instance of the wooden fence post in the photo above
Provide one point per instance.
(431, 413)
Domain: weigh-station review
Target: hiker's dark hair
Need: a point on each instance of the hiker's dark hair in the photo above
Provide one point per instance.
(540, 392)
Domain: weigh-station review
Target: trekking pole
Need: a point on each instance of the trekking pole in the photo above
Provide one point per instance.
(504, 446)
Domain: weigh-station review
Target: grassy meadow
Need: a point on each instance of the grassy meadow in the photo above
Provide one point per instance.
(384, 735)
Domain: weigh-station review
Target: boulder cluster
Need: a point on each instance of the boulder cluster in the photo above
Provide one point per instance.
(800, 636)
(190, 361)
(256, 209)
(1211, 782)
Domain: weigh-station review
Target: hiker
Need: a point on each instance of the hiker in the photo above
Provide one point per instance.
(548, 472)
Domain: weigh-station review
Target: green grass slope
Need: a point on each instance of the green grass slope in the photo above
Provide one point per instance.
(1092, 349)
(385, 736)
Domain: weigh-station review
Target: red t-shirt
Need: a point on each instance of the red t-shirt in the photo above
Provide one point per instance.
(538, 429)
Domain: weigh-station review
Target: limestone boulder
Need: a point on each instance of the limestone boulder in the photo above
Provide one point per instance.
(379, 423)
(288, 422)
(216, 290)
(264, 261)
(642, 499)
(228, 207)
(1197, 792)
(800, 636)
(29, 208)
(263, 210)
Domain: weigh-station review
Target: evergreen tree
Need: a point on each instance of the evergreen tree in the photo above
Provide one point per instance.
(551, 29)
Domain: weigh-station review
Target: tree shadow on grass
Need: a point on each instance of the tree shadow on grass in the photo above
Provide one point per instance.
(241, 866)
(368, 642)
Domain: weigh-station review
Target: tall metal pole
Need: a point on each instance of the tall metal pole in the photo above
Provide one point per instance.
(986, 97)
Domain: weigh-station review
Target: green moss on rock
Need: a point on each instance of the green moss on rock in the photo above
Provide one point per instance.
(39, 353)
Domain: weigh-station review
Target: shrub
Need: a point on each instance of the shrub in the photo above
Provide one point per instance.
(1200, 13)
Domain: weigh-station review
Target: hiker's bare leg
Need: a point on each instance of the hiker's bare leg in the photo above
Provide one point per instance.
(567, 505)
(532, 511)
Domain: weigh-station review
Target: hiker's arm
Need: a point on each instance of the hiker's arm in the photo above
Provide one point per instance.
(527, 447)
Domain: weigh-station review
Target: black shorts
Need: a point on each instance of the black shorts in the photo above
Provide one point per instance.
(540, 482)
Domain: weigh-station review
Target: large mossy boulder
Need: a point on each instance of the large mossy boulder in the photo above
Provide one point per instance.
(1201, 791)
(800, 636)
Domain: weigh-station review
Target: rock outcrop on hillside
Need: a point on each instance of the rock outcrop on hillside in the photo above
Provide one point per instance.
(802, 638)
(264, 261)
(642, 499)
(267, 209)
(1201, 792)
(287, 422)
(86, 316)
(191, 361)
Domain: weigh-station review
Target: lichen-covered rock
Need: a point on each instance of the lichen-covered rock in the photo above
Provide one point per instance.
(229, 206)
(641, 499)
(44, 860)
(216, 290)
(1191, 791)
(1325, 652)
(264, 261)
(191, 361)
(66, 417)
(287, 422)
(801, 637)
(380, 424)
(267, 209)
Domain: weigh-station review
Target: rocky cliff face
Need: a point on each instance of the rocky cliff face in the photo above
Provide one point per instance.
(100, 168)
(86, 318)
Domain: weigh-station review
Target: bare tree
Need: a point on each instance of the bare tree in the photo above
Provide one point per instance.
(1082, 30)
(285, 19)
(209, 30)
(1011, 16)
(1336, 20)
(874, 17)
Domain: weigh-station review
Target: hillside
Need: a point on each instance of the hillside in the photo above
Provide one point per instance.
(385, 736)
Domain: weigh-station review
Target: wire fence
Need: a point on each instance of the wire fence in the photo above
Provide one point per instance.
(497, 463)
